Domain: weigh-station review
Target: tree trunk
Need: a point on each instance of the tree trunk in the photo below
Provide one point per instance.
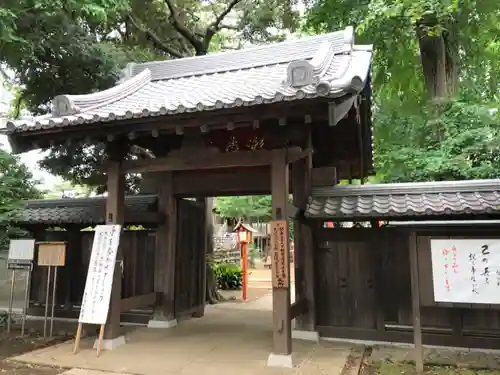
(433, 56)
(439, 56)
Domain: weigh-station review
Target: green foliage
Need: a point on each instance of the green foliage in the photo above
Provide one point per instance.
(80, 46)
(16, 184)
(462, 143)
(228, 276)
(256, 207)
(416, 139)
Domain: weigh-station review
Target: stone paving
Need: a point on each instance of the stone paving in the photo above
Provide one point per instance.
(225, 341)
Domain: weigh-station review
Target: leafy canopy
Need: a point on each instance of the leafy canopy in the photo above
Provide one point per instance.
(80, 46)
(432, 49)
(16, 185)
(245, 207)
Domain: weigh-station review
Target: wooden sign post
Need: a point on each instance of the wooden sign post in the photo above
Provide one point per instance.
(97, 293)
(280, 253)
(51, 254)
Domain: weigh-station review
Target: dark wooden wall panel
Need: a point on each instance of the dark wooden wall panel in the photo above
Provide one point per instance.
(190, 259)
(138, 250)
(363, 289)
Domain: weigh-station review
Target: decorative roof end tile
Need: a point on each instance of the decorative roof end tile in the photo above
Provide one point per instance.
(300, 73)
(67, 105)
(62, 105)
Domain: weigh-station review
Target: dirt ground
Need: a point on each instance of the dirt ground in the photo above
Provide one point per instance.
(253, 294)
(12, 344)
(392, 368)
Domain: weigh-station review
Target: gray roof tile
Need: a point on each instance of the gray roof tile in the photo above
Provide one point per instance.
(450, 198)
(241, 78)
(87, 211)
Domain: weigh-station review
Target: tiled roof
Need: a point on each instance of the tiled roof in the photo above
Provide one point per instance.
(91, 211)
(328, 65)
(409, 200)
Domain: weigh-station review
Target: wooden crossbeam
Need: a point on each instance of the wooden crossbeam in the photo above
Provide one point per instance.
(255, 182)
(137, 302)
(204, 160)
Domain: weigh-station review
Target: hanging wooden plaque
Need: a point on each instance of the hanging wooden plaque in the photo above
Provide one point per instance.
(51, 254)
(280, 254)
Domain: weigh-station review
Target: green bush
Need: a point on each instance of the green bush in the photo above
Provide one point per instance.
(228, 276)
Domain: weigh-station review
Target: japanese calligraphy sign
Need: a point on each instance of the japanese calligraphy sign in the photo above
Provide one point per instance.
(51, 253)
(280, 253)
(466, 270)
(97, 293)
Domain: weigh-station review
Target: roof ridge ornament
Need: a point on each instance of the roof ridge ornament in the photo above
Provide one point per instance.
(67, 105)
(348, 39)
(307, 72)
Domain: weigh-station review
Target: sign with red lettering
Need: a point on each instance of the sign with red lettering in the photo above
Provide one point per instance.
(466, 270)
(280, 254)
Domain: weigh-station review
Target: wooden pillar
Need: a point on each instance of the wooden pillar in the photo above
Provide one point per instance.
(115, 210)
(304, 251)
(166, 241)
(208, 204)
(282, 333)
(415, 298)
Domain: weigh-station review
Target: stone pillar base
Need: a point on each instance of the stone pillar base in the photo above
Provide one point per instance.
(111, 344)
(162, 323)
(305, 335)
(280, 360)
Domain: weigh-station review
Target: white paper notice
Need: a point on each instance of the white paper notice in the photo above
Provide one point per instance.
(466, 271)
(21, 250)
(97, 294)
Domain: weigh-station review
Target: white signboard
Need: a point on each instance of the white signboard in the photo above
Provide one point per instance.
(466, 271)
(21, 250)
(97, 294)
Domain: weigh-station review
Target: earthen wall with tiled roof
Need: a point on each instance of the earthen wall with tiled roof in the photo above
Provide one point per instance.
(429, 200)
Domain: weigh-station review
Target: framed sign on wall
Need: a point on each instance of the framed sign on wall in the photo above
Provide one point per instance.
(466, 270)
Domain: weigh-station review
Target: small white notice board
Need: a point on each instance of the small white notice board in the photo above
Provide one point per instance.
(21, 250)
(466, 270)
(97, 294)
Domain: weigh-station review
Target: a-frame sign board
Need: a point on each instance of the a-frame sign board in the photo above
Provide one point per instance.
(97, 294)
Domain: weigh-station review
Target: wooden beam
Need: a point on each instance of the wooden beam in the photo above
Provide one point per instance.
(166, 239)
(137, 302)
(282, 333)
(115, 212)
(293, 157)
(324, 176)
(302, 179)
(223, 183)
(205, 160)
(415, 299)
(208, 204)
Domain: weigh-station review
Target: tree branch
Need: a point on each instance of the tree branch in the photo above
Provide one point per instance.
(216, 24)
(229, 27)
(183, 30)
(185, 46)
(155, 39)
